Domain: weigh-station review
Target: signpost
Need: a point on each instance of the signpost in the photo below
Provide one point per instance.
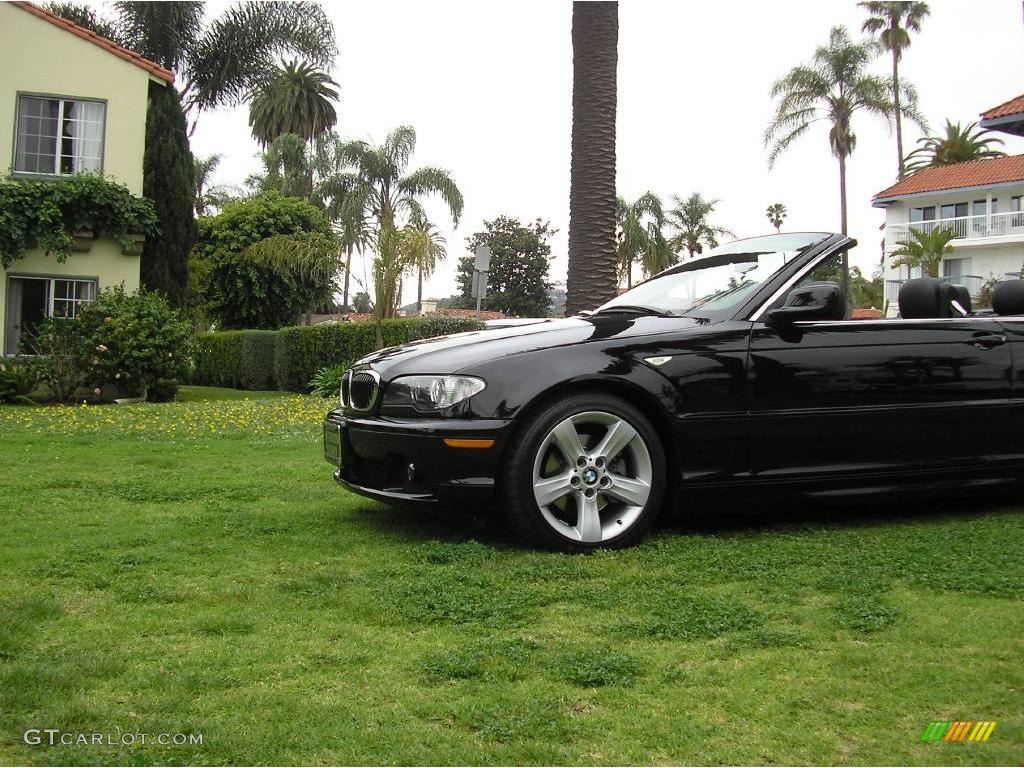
(481, 267)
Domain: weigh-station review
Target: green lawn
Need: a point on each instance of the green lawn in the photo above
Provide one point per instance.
(191, 567)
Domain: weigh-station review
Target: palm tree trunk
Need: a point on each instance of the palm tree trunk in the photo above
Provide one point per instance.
(896, 106)
(842, 193)
(629, 275)
(348, 272)
(842, 219)
(419, 292)
(592, 258)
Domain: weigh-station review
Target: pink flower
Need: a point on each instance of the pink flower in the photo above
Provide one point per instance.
(102, 348)
(117, 375)
(95, 360)
(96, 391)
(107, 319)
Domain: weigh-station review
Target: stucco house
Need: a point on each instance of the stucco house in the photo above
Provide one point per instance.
(70, 102)
(979, 200)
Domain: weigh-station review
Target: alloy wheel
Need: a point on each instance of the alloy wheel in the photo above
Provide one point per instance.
(592, 476)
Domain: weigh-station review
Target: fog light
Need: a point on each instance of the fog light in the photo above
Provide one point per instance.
(410, 472)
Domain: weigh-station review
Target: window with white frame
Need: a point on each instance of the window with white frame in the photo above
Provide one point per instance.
(57, 136)
(33, 298)
(70, 295)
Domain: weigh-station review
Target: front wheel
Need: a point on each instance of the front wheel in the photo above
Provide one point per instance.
(586, 472)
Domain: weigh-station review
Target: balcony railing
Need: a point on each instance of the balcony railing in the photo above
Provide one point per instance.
(974, 284)
(995, 225)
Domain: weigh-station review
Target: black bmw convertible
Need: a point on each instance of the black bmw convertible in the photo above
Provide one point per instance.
(740, 369)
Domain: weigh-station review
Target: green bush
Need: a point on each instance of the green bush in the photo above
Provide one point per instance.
(217, 359)
(327, 381)
(238, 291)
(17, 380)
(305, 349)
(256, 363)
(56, 344)
(131, 341)
(290, 358)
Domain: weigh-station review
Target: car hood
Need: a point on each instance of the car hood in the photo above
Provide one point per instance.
(450, 354)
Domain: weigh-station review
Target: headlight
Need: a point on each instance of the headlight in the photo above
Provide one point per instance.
(430, 393)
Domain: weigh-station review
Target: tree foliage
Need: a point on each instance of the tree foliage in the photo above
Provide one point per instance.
(637, 222)
(925, 249)
(776, 213)
(958, 145)
(44, 214)
(520, 256)
(893, 21)
(690, 220)
(833, 88)
(240, 288)
(295, 98)
(221, 62)
(168, 180)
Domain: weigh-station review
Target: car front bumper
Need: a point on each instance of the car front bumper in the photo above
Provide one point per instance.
(409, 461)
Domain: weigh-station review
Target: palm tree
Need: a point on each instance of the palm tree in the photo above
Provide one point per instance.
(776, 213)
(209, 195)
(689, 218)
(832, 89)
(959, 145)
(658, 253)
(390, 193)
(219, 63)
(592, 247)
(925, 250)
(425, 247)
(893, 22)
(633, 234)
(296, 98)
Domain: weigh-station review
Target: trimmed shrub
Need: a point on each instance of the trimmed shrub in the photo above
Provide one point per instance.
(256, 365)
(305, 349)
(217, 359)
(289, 359)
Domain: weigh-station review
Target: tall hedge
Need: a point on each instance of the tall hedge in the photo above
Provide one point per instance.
(168, 181)
(288, 358)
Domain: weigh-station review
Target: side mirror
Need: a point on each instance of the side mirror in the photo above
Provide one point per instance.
(814, 301)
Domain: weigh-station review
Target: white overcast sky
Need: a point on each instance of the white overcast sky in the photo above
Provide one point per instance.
(488, 87)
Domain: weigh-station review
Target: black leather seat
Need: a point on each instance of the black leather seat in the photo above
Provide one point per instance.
(1008, 297)
(925, 298)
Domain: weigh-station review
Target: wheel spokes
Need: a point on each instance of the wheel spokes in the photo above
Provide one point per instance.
(551, 489)
(588, 522)
(619, 435)
(627, 489)
(568, 441)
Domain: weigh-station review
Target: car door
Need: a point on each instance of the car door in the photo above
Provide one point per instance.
(1013, 425)
(829, 398)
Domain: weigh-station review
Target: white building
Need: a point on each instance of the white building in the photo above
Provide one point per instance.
(981, 201)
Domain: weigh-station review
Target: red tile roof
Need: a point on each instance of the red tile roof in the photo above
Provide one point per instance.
(87, 34)
(975, 173)
(1014, 106)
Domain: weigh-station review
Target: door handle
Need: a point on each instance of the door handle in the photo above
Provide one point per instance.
(987, 340)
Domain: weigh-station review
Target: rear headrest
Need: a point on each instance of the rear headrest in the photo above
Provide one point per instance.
(928, 297)
(1008, 297)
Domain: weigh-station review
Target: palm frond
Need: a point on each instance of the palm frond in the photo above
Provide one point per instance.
(430, 180)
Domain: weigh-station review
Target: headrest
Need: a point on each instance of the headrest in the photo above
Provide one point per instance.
(1008, 297)
(929, 297)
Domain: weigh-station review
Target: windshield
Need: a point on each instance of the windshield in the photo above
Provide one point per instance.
(716, 285)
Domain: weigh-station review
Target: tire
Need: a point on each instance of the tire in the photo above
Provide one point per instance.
(619, 493)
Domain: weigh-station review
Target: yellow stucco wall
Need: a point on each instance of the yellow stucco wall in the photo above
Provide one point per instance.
(38, 57)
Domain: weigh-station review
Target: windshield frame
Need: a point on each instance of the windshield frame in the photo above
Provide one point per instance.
(766, 292)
